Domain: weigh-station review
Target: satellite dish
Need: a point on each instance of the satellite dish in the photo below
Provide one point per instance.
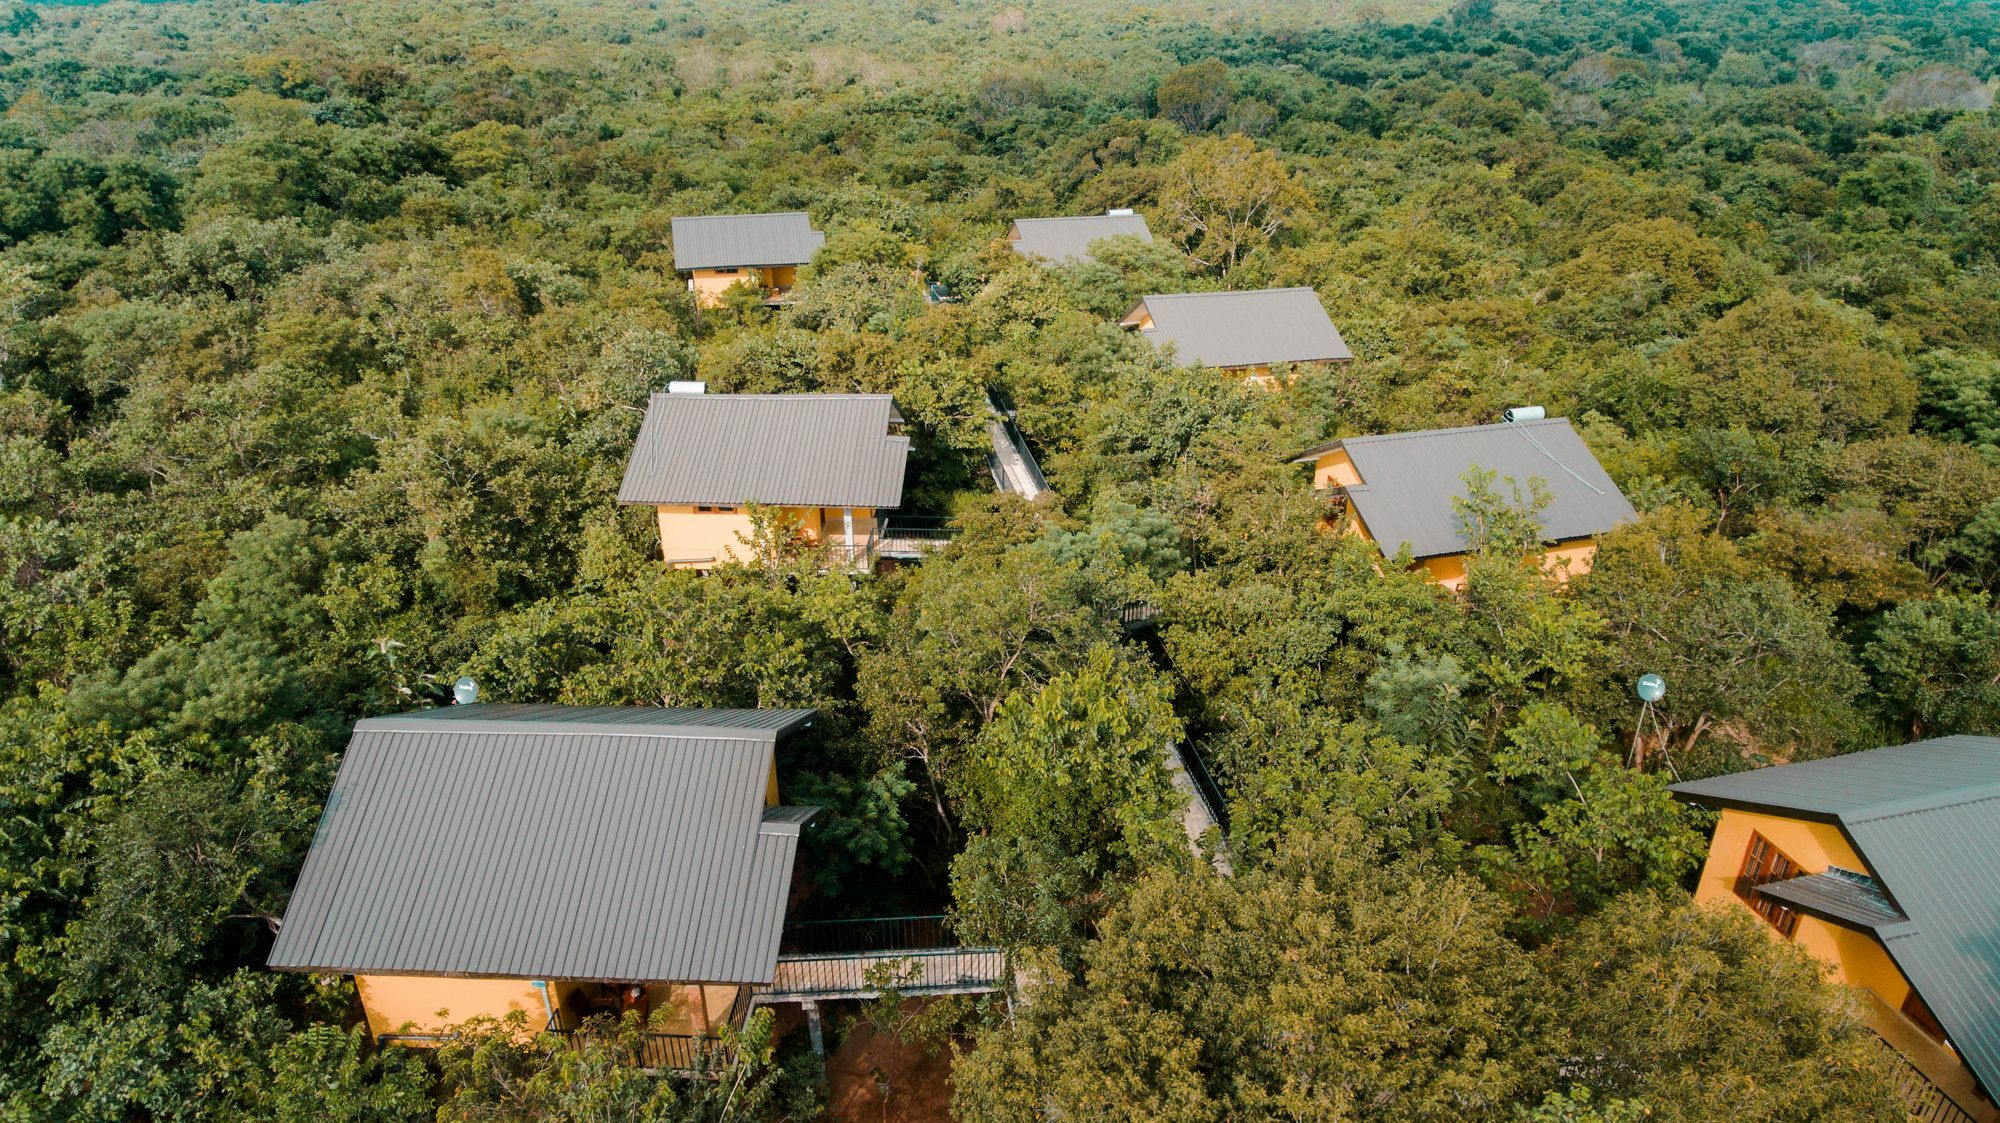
(464, 692)
(1650, 688)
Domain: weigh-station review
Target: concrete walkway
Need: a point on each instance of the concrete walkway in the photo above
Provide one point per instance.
(1014, 467)
(1198, 816)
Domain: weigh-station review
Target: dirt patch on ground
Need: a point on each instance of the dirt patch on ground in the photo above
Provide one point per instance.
(872, 1079)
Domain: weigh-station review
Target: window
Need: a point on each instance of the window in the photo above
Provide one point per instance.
(716, 510)
(731, 269)
(1915, 1010)
(1764, 863)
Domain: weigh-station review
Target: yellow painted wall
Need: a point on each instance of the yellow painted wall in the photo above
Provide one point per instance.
(430, 1005)
(419, 1004)
(1335, 469)
(1565, 560)
(1854, 957)
(1814, 846)
(692, 539)
(1448, 570)
(708, 285)
(1562, 562)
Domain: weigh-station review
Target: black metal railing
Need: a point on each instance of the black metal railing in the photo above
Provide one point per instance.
(860, 974)
(925, 528)
(667, 1052)
(866, 934)
(1204, 782)
(849, 555)
(1925, 1101)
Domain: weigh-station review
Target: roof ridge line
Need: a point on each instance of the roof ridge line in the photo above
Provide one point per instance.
(1229, 292)
(751, 214)
(491, 727)
(1913, 805)
(1372, 437)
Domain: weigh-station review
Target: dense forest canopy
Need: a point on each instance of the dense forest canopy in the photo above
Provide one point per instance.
(325, 329)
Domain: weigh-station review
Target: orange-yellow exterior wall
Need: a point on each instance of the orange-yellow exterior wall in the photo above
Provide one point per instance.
(1854, 957)
(421, 1004)
(708, 285)
(1561, 561)
(424, 1005)
(1335, 469)
(1851, 957)
(691, 539)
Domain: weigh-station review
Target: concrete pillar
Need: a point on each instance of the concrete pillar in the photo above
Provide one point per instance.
(847, 525)
(813, 1027)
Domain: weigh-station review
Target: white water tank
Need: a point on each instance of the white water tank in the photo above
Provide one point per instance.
(1120, 212)
(1524, 413)
(687, 387)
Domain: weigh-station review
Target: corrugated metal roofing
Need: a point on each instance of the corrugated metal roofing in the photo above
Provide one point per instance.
(1850, 898)
(464, 842)
(719, 241)
(1068, 239)
(1244, 329)
(1926, 819)
(802, 450)
(1863, 783)
(1409, 481)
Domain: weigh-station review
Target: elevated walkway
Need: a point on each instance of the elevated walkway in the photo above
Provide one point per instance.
(1204, 808)
(862, 975)
(833, 960)
(1012, 464)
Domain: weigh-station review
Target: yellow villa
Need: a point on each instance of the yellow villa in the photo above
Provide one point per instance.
(1067, 241)
(565, 865)
(555, 861)
(828, 464)
(1403, 489)
(1886, 866)
(714, 253)
(1241, 333)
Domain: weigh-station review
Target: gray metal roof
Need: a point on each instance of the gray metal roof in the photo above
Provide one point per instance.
(1926, 819)
(1839, 895)
(1068, 239)
(1868, 783)
(799, 450)
(498, 841)
(1243, 329)
(1409, 481)
(720, 241)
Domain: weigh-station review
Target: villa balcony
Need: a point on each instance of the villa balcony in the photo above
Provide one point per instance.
(903, 537)
(913, 955)
(1935, 1084)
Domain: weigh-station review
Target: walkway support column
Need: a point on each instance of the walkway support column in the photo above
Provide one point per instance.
(814, 1029)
